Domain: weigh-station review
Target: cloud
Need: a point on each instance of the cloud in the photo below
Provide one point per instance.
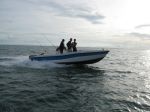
(143, 25)
(132, 36)
(70, 10)
(139, 35)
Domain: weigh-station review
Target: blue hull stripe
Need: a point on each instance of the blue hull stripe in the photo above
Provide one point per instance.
(59, 57)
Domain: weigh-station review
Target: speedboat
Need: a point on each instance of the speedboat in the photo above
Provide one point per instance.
(79, 57)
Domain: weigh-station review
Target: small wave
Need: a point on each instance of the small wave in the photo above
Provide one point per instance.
(4, 59)
(128, 72)
(136, 106)
(120, 71)
(6, 107)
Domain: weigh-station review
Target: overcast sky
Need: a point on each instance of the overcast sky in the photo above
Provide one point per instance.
(92, 22)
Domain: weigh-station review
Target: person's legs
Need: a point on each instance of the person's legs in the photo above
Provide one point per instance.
(61, 51)
(74, 49)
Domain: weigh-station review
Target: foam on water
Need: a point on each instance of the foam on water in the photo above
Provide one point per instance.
(24, 61)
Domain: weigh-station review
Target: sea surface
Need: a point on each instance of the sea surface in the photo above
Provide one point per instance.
(118, 83)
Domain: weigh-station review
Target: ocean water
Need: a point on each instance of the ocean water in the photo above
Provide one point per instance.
(118, 83)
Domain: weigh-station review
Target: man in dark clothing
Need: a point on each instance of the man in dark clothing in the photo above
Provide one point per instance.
(69, 45)
(74, 44)
(61, 46)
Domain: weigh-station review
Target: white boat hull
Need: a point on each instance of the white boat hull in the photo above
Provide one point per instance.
(81, 57)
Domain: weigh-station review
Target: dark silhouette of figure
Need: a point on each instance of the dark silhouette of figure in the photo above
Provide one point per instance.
(69, 45)
(74, 44)
(61, 46)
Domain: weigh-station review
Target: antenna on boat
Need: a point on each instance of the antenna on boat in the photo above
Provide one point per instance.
(49, 41)
(42, 48)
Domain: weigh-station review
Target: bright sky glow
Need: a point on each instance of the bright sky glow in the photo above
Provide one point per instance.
(100, 22)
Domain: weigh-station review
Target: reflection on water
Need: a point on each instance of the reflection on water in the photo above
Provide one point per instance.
(119, 83)
(64, 89)
(146, 59)
(145, 62)
(74, 91)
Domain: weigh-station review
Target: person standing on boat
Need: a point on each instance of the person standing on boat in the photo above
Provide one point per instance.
(69, 45)
(74, 44)
(61, 46)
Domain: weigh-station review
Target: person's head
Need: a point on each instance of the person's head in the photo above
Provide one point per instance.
(70, 39)
(63, 40)
(74, 40)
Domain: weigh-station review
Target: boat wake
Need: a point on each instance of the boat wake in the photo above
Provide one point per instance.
(23, 61)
